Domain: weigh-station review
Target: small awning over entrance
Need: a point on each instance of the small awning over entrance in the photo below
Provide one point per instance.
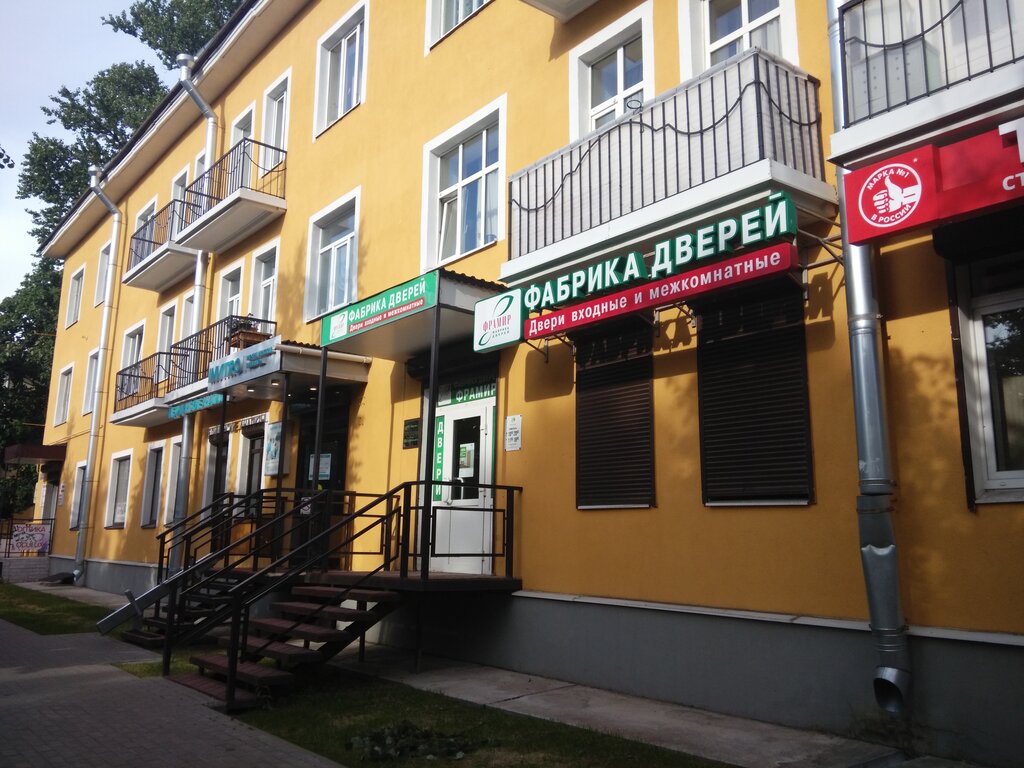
(33, 453)
(395, 324)
(258, 372)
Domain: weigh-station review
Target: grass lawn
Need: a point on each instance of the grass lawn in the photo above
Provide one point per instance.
(47, 614)
(337, 707)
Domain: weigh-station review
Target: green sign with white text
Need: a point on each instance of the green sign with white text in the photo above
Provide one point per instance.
(387, 306)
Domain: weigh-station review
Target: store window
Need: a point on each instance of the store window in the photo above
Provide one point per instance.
(333, 250)
(341, 78)
(612, 72)
(991, 313)
(615, 416)
(755, 436)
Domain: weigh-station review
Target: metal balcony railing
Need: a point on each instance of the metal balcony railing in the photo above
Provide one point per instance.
(190, 358)
(897, 51)
(142, 381)
(750, 108)
(249, 164)
(158, 230)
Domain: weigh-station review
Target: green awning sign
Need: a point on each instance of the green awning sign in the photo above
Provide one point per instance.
(387, 306)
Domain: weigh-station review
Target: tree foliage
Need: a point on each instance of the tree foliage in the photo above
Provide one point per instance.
(101, 117)
(171, 27)
(28, 319)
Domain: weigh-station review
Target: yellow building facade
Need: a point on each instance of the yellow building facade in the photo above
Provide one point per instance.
(648, 189)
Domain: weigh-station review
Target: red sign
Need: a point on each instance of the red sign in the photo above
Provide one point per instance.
(933, 183)
(670, 290)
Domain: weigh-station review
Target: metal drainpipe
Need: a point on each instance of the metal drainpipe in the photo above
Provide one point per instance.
(879, 559)
(181, 499)
(99, 387)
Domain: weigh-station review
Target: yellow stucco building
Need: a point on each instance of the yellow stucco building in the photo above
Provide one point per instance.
(609, 235)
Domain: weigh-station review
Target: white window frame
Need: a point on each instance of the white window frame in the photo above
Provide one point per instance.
(171, 496)
(187, 300)
(146, 213)
(433, 151)
(990, 484)
(148, 517)
(256, 290)
(211, 468)
(638, 22)
(357, 19)
(694, 48)
(199, 165)
(111, 518)
(74, 520)
(179, 184)
(102, 264)
(223, 277)
(272, 96)
(140, 329)
(62, 406)
(311, 310)
(76, 287)
(165, 337)
(435, 31)
(92, 363)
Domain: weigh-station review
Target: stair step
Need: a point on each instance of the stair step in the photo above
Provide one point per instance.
(340, 593)
(287, 628)
(143, 638)
(286, 653)
(215, 688)
(247, 672)
(321, 611)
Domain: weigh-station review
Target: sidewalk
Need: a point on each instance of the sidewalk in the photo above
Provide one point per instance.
(59, 694)
(63, 705)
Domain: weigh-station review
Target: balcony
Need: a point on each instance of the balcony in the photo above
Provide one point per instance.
(156, 260)
(139, 392)
(563, 10)
(239, 194)
(746, 126)
(924, 66)
(190, 358)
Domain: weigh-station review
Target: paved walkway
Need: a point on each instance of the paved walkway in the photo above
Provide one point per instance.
(63, 705)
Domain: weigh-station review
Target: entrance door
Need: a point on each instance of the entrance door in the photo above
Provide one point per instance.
(464, 520)
(254, 469)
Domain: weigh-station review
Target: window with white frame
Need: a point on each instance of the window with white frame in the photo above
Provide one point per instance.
(275, 124)
(264, 283)
(172, 480)
(129, 382)
(991, 311)
(446, 15)
(60, 412)
(334, 244)
(75, 297)
(231, 293)
(78, 497)
(736, 25)
(341, 64)
(117, 495)
(464, 187)
(611, 73)
(145, 223)
(178, 187)
(151, 491)
(102, 266)
(188, 306)
(89, 395)
(164, 339)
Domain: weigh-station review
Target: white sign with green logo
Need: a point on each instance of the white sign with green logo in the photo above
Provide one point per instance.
(498, 321)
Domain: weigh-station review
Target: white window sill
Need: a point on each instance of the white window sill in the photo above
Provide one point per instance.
(1001, 496)
(461, 256)
(318, 132)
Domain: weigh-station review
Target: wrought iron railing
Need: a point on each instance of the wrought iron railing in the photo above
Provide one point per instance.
(191, 357)
(25, 538)
(897, 51)
(157, 231)
(247, 165)
(142, 381)
(750, 108)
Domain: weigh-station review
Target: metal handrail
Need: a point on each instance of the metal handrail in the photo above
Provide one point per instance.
(142, 381)
(249, 164)
(158, 230)
(191, 357)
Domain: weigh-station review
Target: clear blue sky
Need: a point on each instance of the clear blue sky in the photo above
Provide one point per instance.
(46, 44)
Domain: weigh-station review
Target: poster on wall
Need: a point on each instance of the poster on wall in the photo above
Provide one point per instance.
(274, 459)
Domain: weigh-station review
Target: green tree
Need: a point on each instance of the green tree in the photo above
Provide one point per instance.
(28, 319)
(171, 27)
(100, 118)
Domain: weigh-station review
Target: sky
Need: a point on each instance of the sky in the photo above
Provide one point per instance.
(47, 44)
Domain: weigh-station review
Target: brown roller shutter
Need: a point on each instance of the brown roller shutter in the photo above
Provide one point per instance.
(752, 386)
(615, 417)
